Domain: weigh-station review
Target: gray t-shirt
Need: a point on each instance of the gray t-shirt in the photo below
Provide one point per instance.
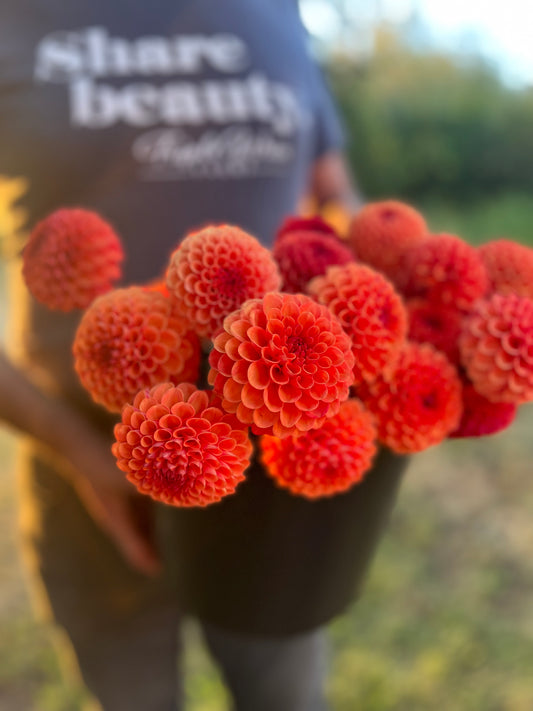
(162, 116)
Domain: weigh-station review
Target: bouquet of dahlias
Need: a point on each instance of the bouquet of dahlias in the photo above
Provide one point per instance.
(323, 347)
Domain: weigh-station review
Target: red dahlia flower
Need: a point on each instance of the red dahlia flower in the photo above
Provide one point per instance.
(446, 270)
(178, 447)
(327, 460)
(282, 364)
(509, 266)
(420, 404)
(297, 223)
(382, 232)
(130, 339)
(481, 416)
(214, 271)
(304, 254)
(370, 311)
(497, 348)
(434, 323)
(72, 256)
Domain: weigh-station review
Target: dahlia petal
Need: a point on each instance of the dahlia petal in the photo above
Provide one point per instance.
(233, 391)
(258, 373)
(251, 397)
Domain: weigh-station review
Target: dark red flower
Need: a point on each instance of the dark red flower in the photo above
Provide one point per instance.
(382, 232)
(369, 310)
(72, 256)
(131, 339)
(434, 323)
(282, 364)
(509, 266)
(297, 223)
(304, 254)
(214, 271)
(497, 348)
(445, 270)
(419, 404)
(178, 447)
(481, 416)
(324, 461)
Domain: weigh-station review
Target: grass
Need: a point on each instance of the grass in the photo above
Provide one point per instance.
(446, 618)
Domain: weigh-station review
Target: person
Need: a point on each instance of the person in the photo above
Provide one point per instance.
(163, 117)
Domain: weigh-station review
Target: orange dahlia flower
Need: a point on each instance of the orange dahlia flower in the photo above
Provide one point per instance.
(496, 348)
(214, 271)
(72, 256)
(481, 416)
(305, 252)
(369, 310)
(131, 339)
(324, 461)
(382, 232)
(509, 266)
(446, 270)
(282, 364)
(178, 447)
(434, 323)
(419, 404)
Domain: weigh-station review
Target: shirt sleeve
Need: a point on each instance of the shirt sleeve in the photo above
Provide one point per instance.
(329, 129)
(330, 133)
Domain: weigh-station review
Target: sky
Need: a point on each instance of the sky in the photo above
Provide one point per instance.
(502, 31)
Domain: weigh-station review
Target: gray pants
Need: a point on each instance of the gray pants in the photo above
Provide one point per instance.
(124, 627)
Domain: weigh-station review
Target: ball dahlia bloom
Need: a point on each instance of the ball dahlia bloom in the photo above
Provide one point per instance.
(282, 364)
(324, 461)
(434, 323)
(496, 348)
(177, 446)
(481, 416)
(214, 271)
(419, 404)
(369, 310)
(446, 270)
(381, 233)
(306, 252)
(131, 339)
(72, 256)
(509, 267)
(298, 223)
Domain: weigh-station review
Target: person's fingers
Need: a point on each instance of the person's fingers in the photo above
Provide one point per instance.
(119, 516)
(131, 538)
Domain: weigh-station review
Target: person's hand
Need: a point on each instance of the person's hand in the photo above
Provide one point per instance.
(123, 514)
(104, 490)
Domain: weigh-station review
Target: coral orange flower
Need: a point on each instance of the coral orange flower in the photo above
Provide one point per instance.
(481, 416)
(509, 266)
(72, 256)
(434, 323)
(419, 404)
(177, 446)
(214, 271)
(496, 348)
(381, 233)
(130, 339)
(159, 285)
(327, 460)
(446, 270)
(369, 310)
(282, 364)
(304, 251)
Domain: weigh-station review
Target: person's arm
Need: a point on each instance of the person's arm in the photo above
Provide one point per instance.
(89, 464)
(331, 182)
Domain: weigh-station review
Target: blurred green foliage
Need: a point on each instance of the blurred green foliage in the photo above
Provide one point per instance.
(428, 125)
